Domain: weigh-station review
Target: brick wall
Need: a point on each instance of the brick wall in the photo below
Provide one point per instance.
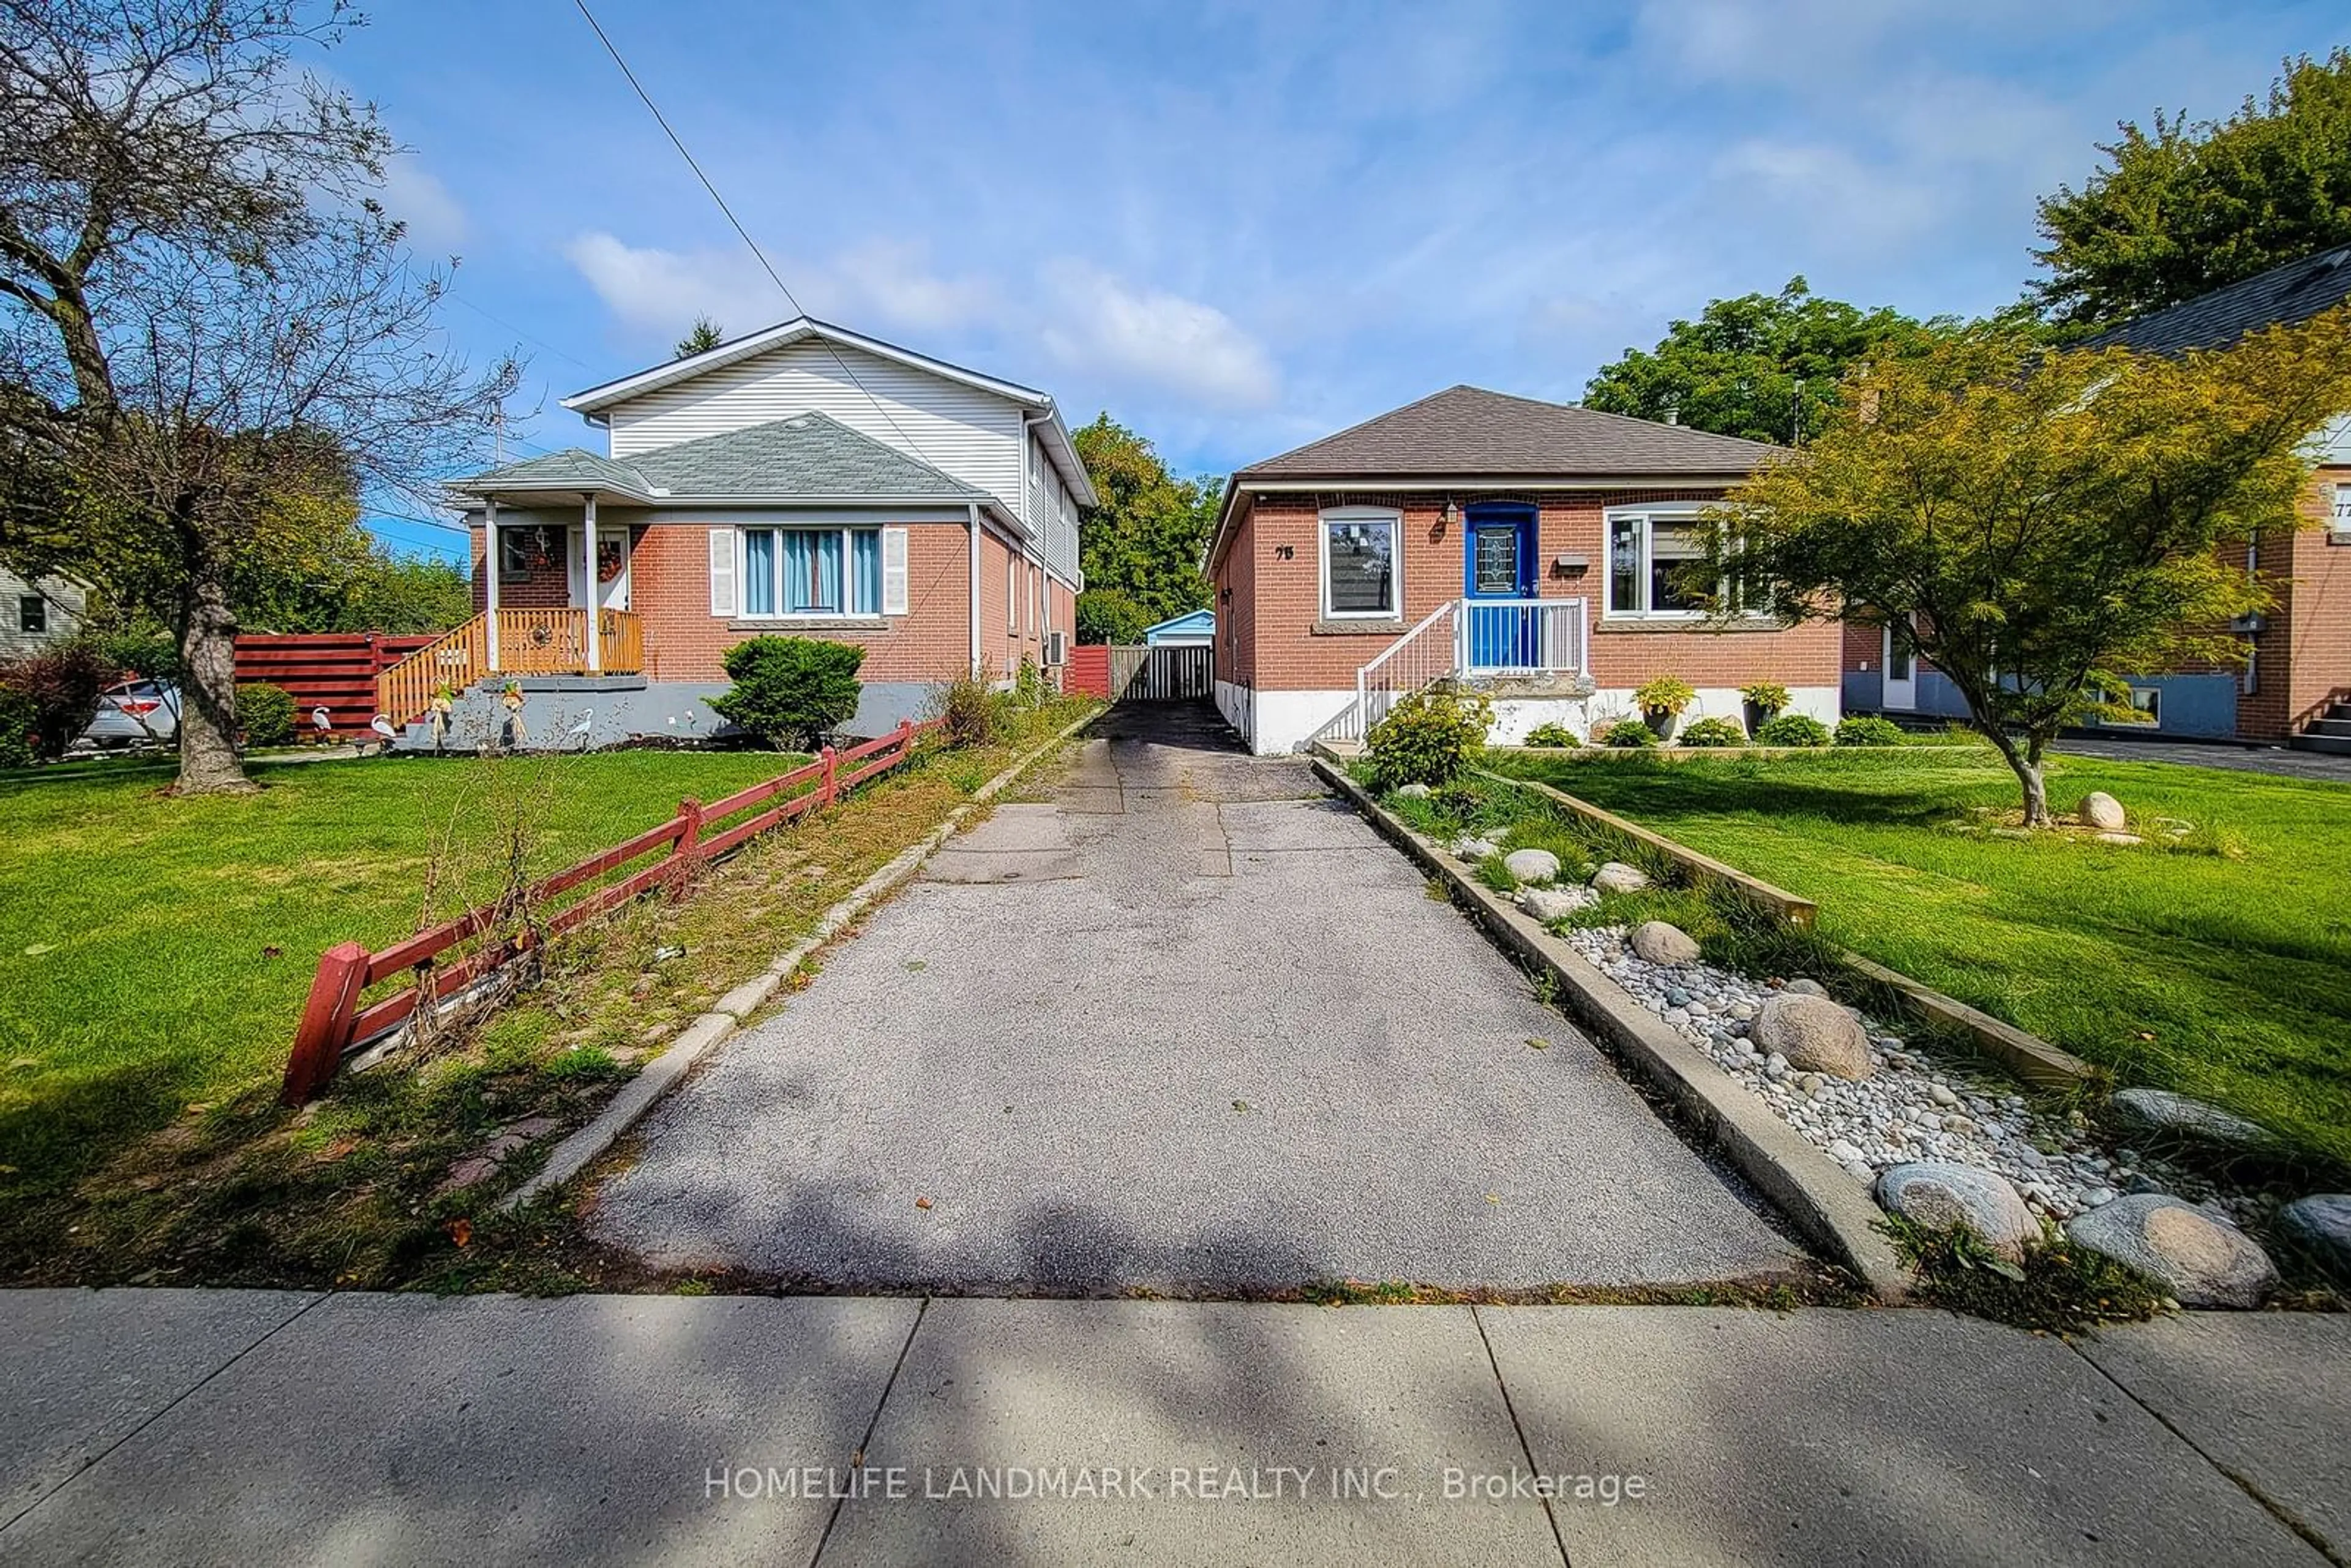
(2303, 656)
(546, 586)
(669, 586)
(1277, 599)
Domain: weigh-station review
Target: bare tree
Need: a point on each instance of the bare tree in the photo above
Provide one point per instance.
(213, 338)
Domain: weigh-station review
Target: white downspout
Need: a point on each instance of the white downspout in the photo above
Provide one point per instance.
(973, 509)
(490, 565)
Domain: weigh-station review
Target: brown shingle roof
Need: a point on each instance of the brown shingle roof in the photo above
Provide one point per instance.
(1468, 432)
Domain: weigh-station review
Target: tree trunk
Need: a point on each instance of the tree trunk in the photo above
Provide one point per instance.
(2026, 765)
(208, 760)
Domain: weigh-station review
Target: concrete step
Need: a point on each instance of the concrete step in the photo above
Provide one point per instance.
(2339, 745)
(2330, 726)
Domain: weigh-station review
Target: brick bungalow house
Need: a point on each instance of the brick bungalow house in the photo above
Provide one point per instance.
(2299, 672)
(1529, 547)
(803, 480)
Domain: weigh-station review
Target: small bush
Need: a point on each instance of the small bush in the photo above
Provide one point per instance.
(1713, 732)
(791, 691)
(1666, 694)
(966, 708)
(1793, 730)
(1551, 734)
(1870, 730)
(60, 686)
(19, 719)
(1427, 738)
(1628, 733)
(266, 714)
(1768, 697)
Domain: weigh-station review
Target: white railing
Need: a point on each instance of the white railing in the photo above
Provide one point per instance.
(1421, 655)
(1519, 636)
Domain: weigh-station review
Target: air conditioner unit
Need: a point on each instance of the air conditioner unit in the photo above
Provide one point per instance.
(1057, 649)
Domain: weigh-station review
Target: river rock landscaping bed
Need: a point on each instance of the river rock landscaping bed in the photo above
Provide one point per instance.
(1914, 1106)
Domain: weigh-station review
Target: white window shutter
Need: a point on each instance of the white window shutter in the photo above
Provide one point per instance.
(893, 571)
(722, 572)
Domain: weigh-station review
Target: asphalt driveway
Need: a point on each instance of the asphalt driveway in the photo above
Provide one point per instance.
(1185, 1025)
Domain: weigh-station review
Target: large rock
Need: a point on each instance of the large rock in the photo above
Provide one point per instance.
(1658, 942)
(2164, 1114)
(1474, 850)
(1413, 792)
(2103, 812)
(2320, 1225)
(1532, 865)
(1801, 985)
(2204, 1262)
(1615, 876)
(1550, 904)
(1939, 1194)
(1813, 1033)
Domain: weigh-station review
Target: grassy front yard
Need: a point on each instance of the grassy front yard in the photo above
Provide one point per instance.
(155, 952)
(2221, 967)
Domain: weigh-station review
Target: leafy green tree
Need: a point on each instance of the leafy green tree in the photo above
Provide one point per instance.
(2036, 521)
(1763, 367)
(1146, 539)
(214, 335)
(701, 338)
(2182, 208)
(1112, 615)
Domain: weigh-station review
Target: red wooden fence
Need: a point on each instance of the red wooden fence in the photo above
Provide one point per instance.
(333, 1019)
(333, 670)
(1088, 673)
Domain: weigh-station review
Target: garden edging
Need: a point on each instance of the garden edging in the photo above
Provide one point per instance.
(1821, 1198)
(639, 1094)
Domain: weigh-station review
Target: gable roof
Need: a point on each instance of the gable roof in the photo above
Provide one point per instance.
(2280, 297)
(1468, 432)
(808, 456)
(595, 400)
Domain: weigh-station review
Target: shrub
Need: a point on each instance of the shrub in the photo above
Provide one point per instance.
(1793, 730)
(59, 686)
(1628, 733)
(1767, 698)
(19, 720)
(266, 714)
(1869, 730)
(1666, 694)
(1713, 732)
(1428, 736)
(1551, 734)
(791, 691)
(967, 709)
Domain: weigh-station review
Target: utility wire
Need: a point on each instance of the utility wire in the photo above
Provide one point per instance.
(776, 277)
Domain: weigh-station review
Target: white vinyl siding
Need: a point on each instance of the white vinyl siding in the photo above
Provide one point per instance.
(959, 430)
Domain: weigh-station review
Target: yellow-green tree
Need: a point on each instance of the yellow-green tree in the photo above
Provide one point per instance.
(2036, 522)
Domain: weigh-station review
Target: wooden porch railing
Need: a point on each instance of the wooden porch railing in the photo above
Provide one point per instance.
(336, 1020)
(530, 642)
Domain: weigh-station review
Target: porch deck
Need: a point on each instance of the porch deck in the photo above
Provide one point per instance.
(557, 642)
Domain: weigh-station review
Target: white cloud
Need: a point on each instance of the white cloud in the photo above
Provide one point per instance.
(876, 286)
(1098, 323)
(436, 221)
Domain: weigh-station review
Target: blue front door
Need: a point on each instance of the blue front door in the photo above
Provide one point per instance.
(1501, 566)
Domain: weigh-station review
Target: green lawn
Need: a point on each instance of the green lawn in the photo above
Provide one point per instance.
(2223, 975)
(156, 953)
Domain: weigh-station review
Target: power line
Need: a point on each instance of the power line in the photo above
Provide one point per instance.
(774, 276)
(501, 322)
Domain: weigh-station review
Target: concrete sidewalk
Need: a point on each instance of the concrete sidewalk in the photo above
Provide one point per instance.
(254, 1427)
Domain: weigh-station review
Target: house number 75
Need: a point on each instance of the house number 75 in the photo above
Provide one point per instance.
(1285, 553)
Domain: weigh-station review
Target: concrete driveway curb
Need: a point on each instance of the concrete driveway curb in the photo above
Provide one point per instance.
(705, 1033)
(1821, 1200)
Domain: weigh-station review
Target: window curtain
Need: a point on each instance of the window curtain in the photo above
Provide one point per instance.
(759, 571)
(865, 547)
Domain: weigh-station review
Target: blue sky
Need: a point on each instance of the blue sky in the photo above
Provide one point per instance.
(1239, 227)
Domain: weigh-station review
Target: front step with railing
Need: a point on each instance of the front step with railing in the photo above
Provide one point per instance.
(1465, 638)
(2330, 733)
(530, 643)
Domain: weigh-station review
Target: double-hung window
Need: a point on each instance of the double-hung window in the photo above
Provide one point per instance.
(1651, 556)
(811, 571)
(1362, 564)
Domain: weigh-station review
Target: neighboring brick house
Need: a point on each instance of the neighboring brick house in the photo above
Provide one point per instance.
(1529, 547)
(803, 480)
(2299, 667)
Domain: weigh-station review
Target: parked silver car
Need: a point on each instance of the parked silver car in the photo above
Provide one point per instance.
(135, 713)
